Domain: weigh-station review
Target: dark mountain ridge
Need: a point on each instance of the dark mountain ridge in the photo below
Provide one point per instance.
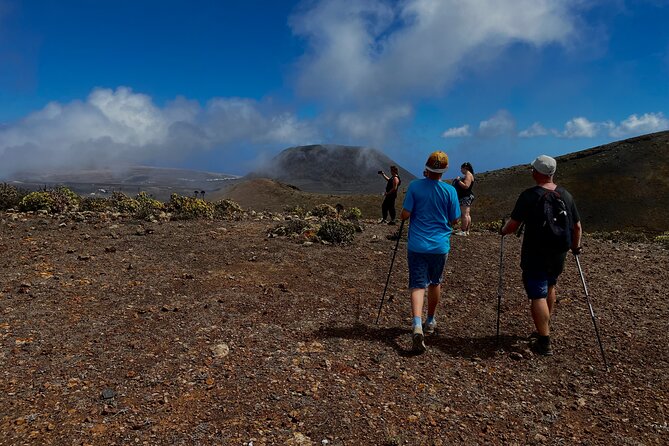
(332, 169)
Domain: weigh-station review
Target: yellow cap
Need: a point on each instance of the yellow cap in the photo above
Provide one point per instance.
(437, 162)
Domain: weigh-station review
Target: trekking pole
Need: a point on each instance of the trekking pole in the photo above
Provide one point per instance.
(500, 283)
(399, 237)
(592, 313)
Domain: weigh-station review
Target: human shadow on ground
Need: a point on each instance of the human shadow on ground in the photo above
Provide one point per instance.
(464, 347)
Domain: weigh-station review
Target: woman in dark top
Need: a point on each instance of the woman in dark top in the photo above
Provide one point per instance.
(463, 186)
(392, 185)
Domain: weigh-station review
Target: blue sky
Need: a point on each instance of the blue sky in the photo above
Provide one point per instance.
(225, 86)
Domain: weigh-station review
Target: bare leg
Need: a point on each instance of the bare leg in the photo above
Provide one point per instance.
(433, 294)
(417, 297)
(466, 218)
(541, 315)
(550, 299)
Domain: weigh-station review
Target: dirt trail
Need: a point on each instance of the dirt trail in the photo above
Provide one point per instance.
(212, 333)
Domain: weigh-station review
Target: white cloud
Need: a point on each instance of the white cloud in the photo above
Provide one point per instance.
(372, 54)
(456, 132)
(501, 123)
(638, 125)
(580, 128)
(535, 129)
(120, 126)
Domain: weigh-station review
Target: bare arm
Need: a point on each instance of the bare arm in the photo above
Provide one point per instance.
(467, 180)
(576, 232)
(405, 214)
(510, 227)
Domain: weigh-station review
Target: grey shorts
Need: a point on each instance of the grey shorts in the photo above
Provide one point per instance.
(467, 201)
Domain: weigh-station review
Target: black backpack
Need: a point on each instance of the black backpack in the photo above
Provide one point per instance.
(553, 219)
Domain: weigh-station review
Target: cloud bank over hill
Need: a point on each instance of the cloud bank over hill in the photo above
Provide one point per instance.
(120, 126)
(367, 68)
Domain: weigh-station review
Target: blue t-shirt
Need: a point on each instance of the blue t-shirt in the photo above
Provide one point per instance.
(433, 205)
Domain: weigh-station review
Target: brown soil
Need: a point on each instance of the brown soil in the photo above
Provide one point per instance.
(211, 333)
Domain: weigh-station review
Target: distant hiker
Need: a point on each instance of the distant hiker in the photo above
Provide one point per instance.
(464, 187)
(432, 207)
(552, 226)
(392, 186)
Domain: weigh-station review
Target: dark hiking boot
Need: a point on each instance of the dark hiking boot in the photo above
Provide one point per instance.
(542, 346)
(392, 223)
(418, 339)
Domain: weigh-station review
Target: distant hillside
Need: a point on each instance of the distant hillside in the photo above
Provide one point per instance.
(332, 169)
(158, 181)
(622, 185)
(264, 194)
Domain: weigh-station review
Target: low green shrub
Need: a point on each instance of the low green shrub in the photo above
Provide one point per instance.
(227, 209)
(122, 203)
(354, 214)
(148, 208)
(324, 211)
(63, 199)
(94, 204)
(336, 231)
(188, 208)
(663, 239)
(36, 201)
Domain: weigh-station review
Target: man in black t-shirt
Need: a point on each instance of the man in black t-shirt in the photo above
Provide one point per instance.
(541, 265)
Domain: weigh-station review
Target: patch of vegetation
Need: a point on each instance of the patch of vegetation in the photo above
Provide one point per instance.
(493, 226)
(188, 208)
(337, 232)
(63, 199)
(36, 201)
(94, 204)
(353, 214)
(324, 211)
(663, 239)
(148, 208)
(122, 203)
(294, 228)
(10, 196)
(295, 210)
(227, 209)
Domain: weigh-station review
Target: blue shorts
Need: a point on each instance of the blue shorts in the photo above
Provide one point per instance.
(536, 283)
(425, 269)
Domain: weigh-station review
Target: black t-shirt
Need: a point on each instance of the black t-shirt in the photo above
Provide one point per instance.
(532, 256)
(389, 184)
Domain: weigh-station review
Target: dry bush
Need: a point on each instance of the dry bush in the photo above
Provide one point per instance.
(122, 203)
(10, 196)
(148, 208)
(227, 209)
(337, 232)
(324, 211)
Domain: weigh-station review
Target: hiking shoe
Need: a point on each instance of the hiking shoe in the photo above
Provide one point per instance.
(418, 340)
(392, 223)
(461, 233)
(382, 221)
(542, 346)
(429, 328)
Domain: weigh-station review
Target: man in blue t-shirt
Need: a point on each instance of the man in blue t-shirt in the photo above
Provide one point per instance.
(433, 208)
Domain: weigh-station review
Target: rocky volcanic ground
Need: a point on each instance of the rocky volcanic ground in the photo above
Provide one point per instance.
(209, 332)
